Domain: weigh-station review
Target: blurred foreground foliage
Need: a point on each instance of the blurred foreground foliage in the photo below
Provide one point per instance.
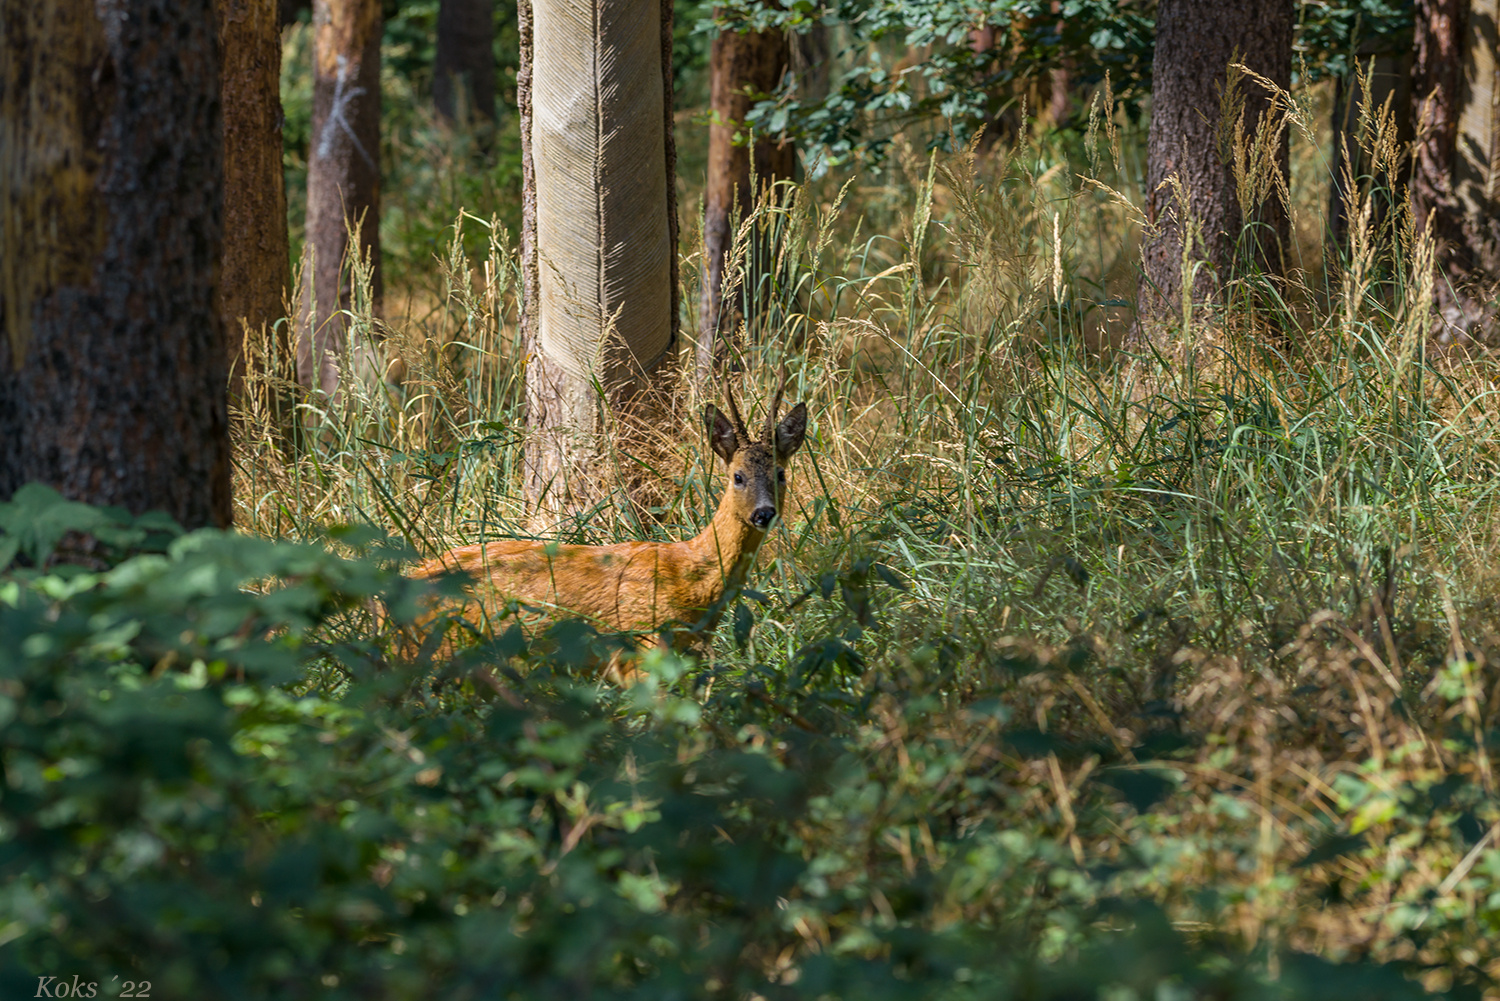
(217, 780)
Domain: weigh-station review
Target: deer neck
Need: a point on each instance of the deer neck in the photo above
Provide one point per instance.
(727, 545)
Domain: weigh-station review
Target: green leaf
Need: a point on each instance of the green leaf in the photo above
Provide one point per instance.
(888, 575)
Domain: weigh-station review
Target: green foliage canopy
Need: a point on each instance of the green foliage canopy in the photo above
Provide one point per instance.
(923, 61)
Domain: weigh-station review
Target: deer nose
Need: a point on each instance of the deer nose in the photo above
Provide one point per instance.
(762, 516)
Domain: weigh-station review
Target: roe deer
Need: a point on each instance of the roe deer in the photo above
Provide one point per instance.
(645, 586)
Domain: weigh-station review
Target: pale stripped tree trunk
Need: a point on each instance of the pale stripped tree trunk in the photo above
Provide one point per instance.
(343, 182)
(599, 228)
(112, 363)
(1196, 42)
(256, 273)
(742, 67)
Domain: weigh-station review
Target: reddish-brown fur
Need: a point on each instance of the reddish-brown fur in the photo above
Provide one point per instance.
(645, 586)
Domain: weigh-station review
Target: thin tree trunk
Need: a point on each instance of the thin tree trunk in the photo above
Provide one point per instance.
(1190, 179)
(1014, 103)
(1059, 95)
(343, 182)
(1453, 188)
(742, 68)
(1059, 81)
(256, 272)
(599, 228)
(465, 61)
(112, 365)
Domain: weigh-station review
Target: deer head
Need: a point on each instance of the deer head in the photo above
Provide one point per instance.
(757, 466)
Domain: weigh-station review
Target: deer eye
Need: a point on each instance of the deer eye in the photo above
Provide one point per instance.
(781, 476)
(739, 480)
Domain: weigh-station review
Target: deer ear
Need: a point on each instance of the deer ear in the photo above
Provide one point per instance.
(791, 431)
(721, 436)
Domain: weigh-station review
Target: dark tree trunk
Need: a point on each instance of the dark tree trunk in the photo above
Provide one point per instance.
(465, 61)
(343, 181)
(112, 365)
(742, 68)
(598, 231)
(1453, 189)
(1196, 42)
(256, 272)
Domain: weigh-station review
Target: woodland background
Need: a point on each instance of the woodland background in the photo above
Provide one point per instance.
(1132, 632)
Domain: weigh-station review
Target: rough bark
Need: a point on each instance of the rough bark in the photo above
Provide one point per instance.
(599, 229)
(1196, 43)
(112, 365)
(743, 68)
(1454, 188)
(256, 272)
(463, 71)
(343, 182)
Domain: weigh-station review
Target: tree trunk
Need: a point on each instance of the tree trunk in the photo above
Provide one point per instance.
(1059, 95)
(112, 365)
(465, 61)
(1059, 81)
(256, 272)
(742, 69)
(1191, 147)
(1453, 189)
(343, 182)
(599, 227)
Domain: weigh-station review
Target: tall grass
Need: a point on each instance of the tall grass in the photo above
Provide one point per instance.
(1264, 536)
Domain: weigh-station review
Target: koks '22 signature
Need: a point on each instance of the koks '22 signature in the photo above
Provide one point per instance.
(53, 987)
